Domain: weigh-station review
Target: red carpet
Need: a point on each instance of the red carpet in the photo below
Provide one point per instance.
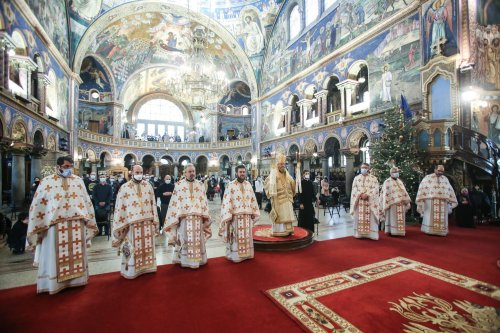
(263, 233)
(227, 297)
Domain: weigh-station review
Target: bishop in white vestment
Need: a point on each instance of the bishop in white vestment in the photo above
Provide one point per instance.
(435, 201)
(394, 203)
(135, 225)
(239, 212)
(61, 225)
(187, 225)
(365, 204)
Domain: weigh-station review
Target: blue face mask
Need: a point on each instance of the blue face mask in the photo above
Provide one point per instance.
(395, 175)
(364, 171)
(66, 172)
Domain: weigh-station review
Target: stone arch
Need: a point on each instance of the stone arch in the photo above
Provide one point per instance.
(148, 163)
(201, 164)
(354, 138)
(38, 139)
(237, 157)
(129, 160)
(19, 130)
(329, 79)
(293, 149)
(355, 68)
(105, 158)
(109, 74)
(136, 106)
(183, 158)
(124, 10)
(331, 148)
(310, 91)
(326, 142)
(248, 157)
(40, 63)
(20, 41)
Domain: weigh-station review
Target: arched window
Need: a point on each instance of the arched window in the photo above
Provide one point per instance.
(333, 99)
(423, 140)
(160, 120)
(437, 138)
(294, 22)
(312, 11)
(362, 94)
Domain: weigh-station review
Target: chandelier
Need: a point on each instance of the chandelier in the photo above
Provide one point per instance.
(198, 83)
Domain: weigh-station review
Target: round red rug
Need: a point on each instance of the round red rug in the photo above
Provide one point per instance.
(263, 233)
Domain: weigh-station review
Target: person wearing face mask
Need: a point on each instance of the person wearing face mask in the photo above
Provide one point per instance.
(61, 216)
(187, 226)
(259, 188)
(222, 187)
(239, 213)
(102, 194)
(280, 189)
(90, 183)
(394, 203)
(365, 204)
(435, 201)
(164, 192)
(135, 225)
(34, 186)
(465, 210)
(306, 199)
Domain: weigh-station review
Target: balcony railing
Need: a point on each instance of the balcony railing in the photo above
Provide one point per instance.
(107, 139)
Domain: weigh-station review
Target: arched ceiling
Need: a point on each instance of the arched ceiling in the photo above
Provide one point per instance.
(141, 41)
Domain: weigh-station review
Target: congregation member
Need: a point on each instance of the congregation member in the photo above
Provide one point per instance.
(394, 203)
(435, 201)
(259, 189)
(465, 210)
(365, 204)
(164, 192)
(61, 225)
(239, 213)
(280, 190)
(135, 225)
(306, 197)
(102, 194)
(17, 235)
(187, 226)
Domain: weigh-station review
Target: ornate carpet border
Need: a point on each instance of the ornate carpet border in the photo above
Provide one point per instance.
(299, 300)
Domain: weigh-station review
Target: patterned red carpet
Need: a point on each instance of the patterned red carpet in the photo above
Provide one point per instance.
(263, 233)
(227, 297)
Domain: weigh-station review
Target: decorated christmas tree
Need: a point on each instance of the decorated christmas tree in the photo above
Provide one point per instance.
(396, 147)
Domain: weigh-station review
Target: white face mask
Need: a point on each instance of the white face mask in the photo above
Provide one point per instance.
(102, 180)
(306, 176)
(395, 175)
(138, 177)
(167, 181)
(66, 172)
(92, 177)
(364, 171)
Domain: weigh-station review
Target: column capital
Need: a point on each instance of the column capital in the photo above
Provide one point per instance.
(6, 42)
(349, 153)
(23, 62)
(349, 84)
(321, 94)
(43, 79)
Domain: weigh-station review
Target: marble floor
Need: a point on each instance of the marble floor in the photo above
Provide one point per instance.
(17, 270)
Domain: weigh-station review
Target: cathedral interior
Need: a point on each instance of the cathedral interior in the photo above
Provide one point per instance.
(115, 83)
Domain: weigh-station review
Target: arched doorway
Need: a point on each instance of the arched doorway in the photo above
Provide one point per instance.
(167, 166)
(333, 99)
(148, 164)
(225, 167)
(129, 161)
(183, 161)
(202, 165)
(104, 161)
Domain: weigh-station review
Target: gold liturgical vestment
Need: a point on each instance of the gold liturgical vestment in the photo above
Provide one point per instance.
(280, 189)
(61, 224)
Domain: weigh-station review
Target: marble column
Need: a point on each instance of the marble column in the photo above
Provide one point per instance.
(157, 169)
(6, 44)
(346, 88)
(36, 166)
(324, 164)
(349, 173)
(43, 82)
(288, 118)
(18, 179)
(322, 105)
(176, 170)
(27, 65)
(117, 122)
(233, 172)
(94, 167)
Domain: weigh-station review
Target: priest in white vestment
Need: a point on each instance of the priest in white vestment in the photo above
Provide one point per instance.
(394, 203)
(239, 212)
(135, 225)
(365, 204)
(61, 225)
(187, 225)
(280, 189)
(435, 201)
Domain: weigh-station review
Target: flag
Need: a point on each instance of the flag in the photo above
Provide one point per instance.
(406, 108)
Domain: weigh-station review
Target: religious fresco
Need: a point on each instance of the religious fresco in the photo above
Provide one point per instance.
(487, 41)
(393, 59)
(95, 118)
(239, 127)
(94, 77)
(58, 90)
(344, 23)
(238, 95)
(486, 119)
(246, 20)
(158, 38)
(439, 28)
(52, 16)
